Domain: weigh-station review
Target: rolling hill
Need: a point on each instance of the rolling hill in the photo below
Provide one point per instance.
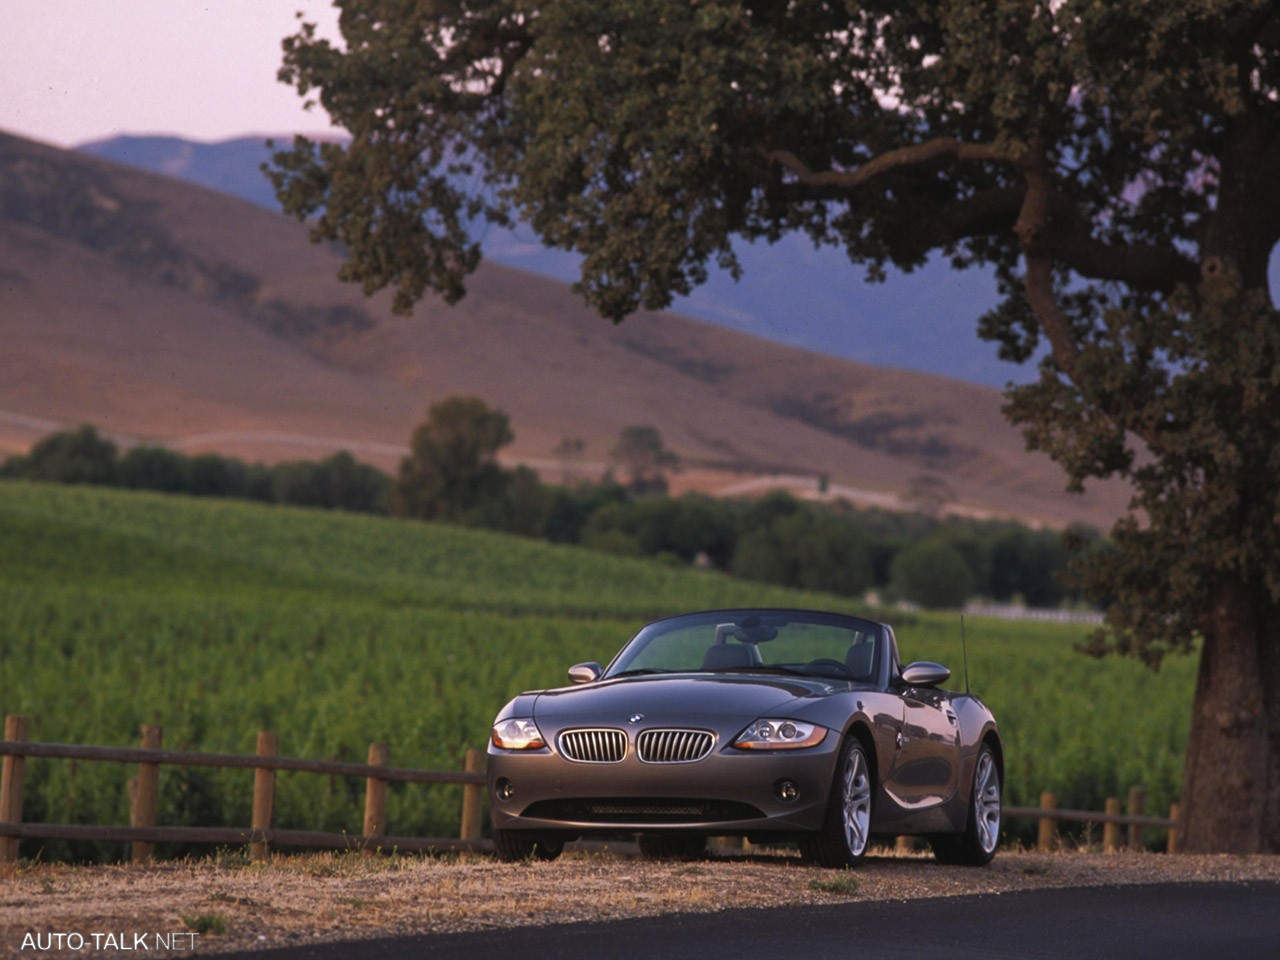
(167, 312)
(789, 292)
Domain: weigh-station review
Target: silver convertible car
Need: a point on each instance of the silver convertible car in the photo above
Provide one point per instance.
(776, 725)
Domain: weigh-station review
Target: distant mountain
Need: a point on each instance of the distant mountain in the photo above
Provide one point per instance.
(167, 312)
(790, 292)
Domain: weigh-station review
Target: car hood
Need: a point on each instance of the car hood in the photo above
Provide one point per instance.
(677, 698)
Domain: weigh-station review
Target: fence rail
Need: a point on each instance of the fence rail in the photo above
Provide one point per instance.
(1049, 815)
(143, 832)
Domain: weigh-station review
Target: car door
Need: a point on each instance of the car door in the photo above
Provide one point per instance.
(926, 770)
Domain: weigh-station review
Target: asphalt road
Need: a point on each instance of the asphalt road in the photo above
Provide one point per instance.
(1240, 921)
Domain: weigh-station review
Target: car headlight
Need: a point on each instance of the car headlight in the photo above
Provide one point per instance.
(517, 733)
(780, 735)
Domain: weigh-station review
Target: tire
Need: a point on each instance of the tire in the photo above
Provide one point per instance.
(977, 844)
(846, 832)
(671, 846)
(517, 846)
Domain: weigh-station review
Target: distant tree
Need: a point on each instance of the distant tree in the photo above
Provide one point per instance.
(212, 475)
(339, 482)
(300, 483)
(1028, 564)
(641, 454)
(933, 574)
(800, 546)
(154, 468)
(452, 464)
(351, 485)
(762, 512)
(568, 510)
(568, 451)
(518, 503)
(681, 528)
(72, 456)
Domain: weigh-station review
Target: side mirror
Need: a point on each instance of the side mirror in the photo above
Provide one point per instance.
(924, 673)
(585, 672)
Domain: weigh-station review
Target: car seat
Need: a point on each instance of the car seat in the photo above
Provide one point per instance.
(722, 656)
(860, 659)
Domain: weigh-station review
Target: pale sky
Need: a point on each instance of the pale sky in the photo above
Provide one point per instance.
(78, 70)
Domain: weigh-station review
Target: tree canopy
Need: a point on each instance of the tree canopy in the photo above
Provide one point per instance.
(1113, 163)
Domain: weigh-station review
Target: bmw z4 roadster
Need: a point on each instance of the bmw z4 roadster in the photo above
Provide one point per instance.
(775, 725)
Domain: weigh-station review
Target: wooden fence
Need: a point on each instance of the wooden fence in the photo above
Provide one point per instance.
(143, 832)
(1111, 819)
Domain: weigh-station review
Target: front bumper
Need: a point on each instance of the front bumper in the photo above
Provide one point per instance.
(728, 792)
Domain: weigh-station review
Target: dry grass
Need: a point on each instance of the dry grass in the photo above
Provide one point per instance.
(336, 896)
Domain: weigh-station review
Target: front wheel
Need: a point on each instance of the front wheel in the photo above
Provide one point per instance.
(977, 845)
(846, 832)
(514, 846)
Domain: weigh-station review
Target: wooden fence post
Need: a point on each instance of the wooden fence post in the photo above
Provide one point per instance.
(1137, 801)
(1111, 830)
(375, 796)
(15, 728)
(1048, 837)
(1174, 842)
(905, 845)
(144, 809)
(472, 799)
(264, 796)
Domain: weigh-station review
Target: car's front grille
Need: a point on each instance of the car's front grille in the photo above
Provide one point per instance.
(674, 746)
(594, 746)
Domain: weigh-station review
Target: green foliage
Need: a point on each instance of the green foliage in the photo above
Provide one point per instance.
(683, 527)
(452, 469)
(217, 619)
(154, 468)
(338, 482)
(804, 548)
(933, 574)
(776, 539)
(73, 456)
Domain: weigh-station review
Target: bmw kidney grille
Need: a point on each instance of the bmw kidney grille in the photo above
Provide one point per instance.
(674, 746)
(594, 746)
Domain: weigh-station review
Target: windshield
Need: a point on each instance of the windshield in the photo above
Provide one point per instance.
(744, 641)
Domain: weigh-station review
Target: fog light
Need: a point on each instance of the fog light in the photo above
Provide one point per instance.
(786, 790)
(505, 789)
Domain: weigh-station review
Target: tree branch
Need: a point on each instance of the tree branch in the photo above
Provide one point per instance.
(940, 148)
(1143, 266)
(1032, 229)
(1064, 234)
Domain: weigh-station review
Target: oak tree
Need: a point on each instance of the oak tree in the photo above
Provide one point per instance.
(1114, 163)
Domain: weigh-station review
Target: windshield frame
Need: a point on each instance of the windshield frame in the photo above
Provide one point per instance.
(885, 654)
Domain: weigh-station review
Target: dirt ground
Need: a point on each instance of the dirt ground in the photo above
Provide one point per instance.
(232, 904)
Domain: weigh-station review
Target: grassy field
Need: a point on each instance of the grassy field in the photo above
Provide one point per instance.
(218, 619)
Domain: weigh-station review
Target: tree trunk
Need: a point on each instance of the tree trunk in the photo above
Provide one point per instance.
(1231, 786)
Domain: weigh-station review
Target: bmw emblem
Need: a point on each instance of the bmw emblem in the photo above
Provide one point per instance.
(635, 718)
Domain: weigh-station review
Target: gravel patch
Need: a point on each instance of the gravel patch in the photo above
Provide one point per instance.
(343, 896)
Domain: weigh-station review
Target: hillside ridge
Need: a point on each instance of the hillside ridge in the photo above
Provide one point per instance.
(165, 311)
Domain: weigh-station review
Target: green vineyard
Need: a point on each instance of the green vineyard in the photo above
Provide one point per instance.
(218, 619)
